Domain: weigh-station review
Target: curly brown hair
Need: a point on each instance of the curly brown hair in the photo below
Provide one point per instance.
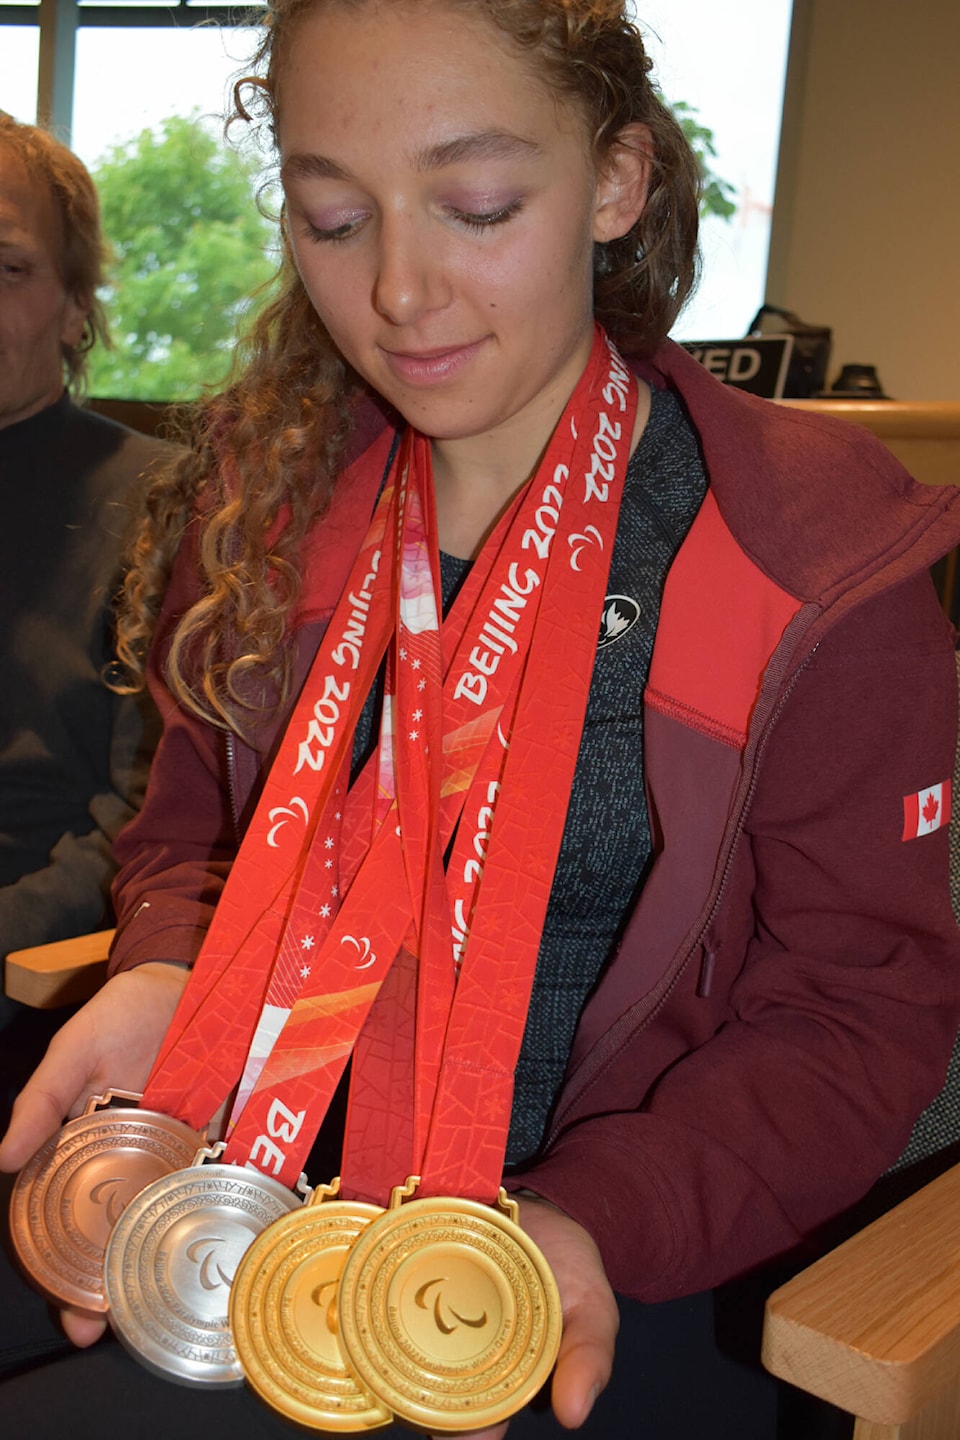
(272, 442)
(82, 251)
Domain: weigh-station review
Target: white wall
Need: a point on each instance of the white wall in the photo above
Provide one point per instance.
(866, 229)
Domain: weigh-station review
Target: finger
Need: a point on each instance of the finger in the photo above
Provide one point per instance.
(82, 1329)
(60, 1080)
(585, 1360)
(37, 1114)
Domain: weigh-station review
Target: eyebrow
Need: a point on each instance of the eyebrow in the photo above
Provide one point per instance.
(484, 145)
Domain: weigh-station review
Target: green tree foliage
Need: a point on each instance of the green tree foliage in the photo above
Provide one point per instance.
(191, 249)
(193, 253)
(717, 195)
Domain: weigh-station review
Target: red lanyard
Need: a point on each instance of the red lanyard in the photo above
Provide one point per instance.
(482, 723)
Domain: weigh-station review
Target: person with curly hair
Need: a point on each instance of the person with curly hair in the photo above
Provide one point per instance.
(555, 766)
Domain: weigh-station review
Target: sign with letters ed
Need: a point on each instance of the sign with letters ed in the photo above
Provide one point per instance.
(758, 363)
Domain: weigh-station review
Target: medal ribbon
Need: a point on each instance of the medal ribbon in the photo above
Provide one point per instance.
(498, 609)
(258, 955)
(501, 869)
(386, 898)
(210, 1036)
(252, 967)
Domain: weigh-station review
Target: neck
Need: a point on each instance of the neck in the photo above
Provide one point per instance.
(474, 483)
(475, 479)
(31, 408)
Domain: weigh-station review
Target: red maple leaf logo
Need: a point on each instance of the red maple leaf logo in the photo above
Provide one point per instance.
(930, 807)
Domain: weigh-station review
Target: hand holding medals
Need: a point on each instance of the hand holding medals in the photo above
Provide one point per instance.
(591, 1317)
(77, 1192)
(333, 937)
(441, 1313)
(448, 1312)
(68, 1197)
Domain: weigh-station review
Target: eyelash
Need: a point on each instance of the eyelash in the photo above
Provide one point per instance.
(330, 237)
(487, 221)
(476, 223)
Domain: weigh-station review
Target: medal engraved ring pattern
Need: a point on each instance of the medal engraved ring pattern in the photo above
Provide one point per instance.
(70, 1195)
(449, 1313)
(171, 1262)
(283, 1313)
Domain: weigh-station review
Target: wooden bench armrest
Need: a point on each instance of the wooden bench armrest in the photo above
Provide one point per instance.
(874, 1327)
(66, 972)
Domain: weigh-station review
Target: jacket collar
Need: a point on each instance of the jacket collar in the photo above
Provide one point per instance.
(817, 503)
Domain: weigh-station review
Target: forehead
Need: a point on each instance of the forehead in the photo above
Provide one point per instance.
(27, 214)
(411, 73)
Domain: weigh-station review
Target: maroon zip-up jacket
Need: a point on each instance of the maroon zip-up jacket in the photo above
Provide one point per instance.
(787, 990)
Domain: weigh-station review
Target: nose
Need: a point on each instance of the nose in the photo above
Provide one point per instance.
(411, 279)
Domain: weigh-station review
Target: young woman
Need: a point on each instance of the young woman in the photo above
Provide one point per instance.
(694, 872)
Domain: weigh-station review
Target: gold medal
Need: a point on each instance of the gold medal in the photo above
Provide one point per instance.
(449, 1312)
(283, 1314)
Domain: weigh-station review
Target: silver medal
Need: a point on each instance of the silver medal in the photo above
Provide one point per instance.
(171, 1261)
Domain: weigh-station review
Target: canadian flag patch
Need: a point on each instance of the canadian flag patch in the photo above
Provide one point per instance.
(926, 811)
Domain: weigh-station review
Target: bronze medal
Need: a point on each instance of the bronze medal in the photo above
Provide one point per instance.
(283, 1315)
(449, 1313)
(68, 1197)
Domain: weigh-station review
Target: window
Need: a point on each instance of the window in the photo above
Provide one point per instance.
(188, 71)
(727, 59)
(19, 62)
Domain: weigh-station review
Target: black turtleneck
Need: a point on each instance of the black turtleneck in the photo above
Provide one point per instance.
(71, 753)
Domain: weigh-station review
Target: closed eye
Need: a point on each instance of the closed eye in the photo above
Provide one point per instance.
(486, 219)
(332, 234)
(476, 221)
(327, 237)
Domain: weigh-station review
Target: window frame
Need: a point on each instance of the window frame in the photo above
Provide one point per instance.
(59, 20)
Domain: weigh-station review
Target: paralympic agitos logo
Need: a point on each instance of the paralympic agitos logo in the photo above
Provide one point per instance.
(443, 1325)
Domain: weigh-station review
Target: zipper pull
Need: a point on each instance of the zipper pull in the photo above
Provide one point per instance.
(705, 980)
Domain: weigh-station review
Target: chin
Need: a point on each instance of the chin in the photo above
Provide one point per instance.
(440, 421)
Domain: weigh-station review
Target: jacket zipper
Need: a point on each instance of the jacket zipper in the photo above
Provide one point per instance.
(603, 1054)
(232, 785)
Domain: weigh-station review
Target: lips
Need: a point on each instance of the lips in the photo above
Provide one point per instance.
(433, 366)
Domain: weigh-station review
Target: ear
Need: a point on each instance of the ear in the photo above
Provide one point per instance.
(76, 308)
(622, 183)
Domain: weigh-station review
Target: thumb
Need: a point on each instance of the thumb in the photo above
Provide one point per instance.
(585, 1360)
(80, 1328)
